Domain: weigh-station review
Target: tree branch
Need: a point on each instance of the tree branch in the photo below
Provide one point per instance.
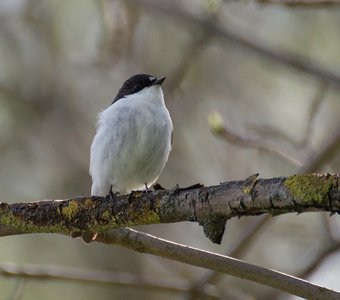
(209, 206)
(146, 243)
(252, 196)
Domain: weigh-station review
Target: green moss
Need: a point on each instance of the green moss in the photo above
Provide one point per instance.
(8, 218)
(143, 217)
(141, 214)
(105, 215)
(310, 187)
(70, 210)
(152, 218)
(89, 203)
(6, 215)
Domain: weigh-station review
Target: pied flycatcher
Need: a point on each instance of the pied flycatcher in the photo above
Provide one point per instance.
(133, 140)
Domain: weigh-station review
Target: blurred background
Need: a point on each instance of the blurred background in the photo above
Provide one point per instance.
(264, 74)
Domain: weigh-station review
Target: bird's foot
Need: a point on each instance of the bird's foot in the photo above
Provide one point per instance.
(147, 190)
(175, 189)
(112, 195)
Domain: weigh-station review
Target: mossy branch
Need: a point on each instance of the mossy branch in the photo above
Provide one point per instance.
(210, 206)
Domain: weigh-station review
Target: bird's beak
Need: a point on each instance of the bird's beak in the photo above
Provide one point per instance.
(159, 81)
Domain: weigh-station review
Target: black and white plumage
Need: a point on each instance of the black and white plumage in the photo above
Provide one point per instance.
(133, 140)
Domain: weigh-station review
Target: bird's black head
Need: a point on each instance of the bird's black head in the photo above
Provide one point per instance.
(136, 83)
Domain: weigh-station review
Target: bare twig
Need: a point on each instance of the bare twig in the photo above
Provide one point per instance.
(146, 243)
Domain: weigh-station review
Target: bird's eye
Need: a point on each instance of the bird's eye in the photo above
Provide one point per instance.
(152, 78)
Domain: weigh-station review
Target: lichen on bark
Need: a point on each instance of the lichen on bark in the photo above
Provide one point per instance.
(311, 187)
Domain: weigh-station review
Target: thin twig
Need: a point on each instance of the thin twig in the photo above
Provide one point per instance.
(147, 243)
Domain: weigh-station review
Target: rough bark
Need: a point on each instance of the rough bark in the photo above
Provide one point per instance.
(210, 206)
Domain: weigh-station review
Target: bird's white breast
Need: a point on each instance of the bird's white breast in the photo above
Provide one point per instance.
(132, 143)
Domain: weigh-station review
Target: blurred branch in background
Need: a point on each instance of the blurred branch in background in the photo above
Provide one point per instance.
(264, 143)
(220, 129)
(321, 157)
(303, 3)
(118, 25)
(48, 272)
(245, 41)
(304, 145)
(192, 52)
(197, 45)
(314, 109)
(18, 289)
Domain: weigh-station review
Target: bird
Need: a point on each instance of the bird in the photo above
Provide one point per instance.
(133, 140)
